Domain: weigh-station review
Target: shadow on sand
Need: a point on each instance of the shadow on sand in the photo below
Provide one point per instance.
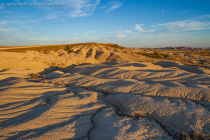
(192, 69)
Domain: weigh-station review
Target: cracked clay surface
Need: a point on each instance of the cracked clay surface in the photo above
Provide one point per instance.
(106, 101)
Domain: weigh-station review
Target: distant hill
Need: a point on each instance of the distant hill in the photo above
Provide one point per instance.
(184, 48)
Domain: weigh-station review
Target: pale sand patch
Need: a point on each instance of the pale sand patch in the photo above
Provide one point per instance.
(181, 115)
(110, 126)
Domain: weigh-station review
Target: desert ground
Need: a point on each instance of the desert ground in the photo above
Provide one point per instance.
(95, 91)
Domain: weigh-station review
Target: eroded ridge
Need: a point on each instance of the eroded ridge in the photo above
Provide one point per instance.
(140, 79)
(111, 100)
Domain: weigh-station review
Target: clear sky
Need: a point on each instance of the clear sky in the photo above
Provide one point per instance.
(130, 23)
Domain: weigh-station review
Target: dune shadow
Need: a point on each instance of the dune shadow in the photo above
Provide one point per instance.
(7, 82)
(33, 112)
(167, 83)
(73, 121)
(3, 70)
(78, 127)
(134, 64)
(92, 66)
(148, 70)
(192, 69)
(111, 63)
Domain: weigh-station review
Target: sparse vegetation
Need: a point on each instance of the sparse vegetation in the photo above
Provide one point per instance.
(36, 77)
(202, 53)
(192, 136)
(148, 52)
(68, 47)
(156, 55)
(43, 49)
(45, 102)
(115, 46)
(71, 51)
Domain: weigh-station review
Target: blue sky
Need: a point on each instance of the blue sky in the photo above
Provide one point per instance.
(130, 23)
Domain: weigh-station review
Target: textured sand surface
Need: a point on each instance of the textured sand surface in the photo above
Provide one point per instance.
(98, 93)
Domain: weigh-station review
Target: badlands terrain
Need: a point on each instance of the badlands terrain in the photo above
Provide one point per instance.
(101, 91)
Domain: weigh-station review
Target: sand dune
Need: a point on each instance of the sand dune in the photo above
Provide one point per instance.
(101, 93)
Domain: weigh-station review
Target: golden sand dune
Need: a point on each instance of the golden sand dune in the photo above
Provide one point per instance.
(99, 92)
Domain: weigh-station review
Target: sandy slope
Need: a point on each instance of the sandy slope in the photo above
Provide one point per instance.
(100, 100)
(61, 58)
